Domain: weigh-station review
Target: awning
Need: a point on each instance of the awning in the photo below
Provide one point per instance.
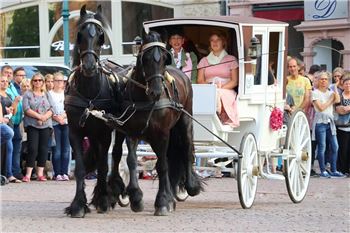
(281, 15)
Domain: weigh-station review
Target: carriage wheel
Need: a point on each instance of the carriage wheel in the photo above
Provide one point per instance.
(297, 166)
(247, 171)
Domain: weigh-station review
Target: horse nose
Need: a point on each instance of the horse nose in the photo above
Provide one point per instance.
(89, 66)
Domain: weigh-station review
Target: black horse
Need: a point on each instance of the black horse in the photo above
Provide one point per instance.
(155, 103)
(90, 87)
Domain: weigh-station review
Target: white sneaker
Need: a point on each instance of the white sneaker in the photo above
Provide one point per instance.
(65, 177)
(59, 178)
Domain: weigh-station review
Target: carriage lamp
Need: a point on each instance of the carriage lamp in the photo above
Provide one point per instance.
(136, 46)
(254, 50)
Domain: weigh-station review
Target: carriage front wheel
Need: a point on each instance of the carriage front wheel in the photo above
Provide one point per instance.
(297, 165)
(247, 171)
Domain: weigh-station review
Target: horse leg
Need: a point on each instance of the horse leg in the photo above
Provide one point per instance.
(133, 189)
(193, 184)
(165, 200)
(100, 197)
(78, 208)
(116, 187)
(181, 158)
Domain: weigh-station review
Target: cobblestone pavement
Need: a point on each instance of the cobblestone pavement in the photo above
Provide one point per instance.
(38, 207)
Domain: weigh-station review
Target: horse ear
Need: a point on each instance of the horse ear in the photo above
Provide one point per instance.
(101, 39)
(143, 35)
(99, 9)
(83, 11)
(169, 59)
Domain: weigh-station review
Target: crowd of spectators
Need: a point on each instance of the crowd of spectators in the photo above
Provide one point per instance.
(324, 97)
(34, 126)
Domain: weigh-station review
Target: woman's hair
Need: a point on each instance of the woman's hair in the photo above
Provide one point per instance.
(320, 74)
(38, 74)
(24, 82)
(221, 35)
(346, 79)
(48, 76)
(57, 75)
(314, 68)
(338, 70)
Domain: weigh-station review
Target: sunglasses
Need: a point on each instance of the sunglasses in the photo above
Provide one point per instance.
(37, 80)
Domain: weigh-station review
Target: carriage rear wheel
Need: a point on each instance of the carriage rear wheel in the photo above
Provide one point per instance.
(247, 171)
(297, 165)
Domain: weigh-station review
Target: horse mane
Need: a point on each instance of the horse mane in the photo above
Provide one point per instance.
(98, 16)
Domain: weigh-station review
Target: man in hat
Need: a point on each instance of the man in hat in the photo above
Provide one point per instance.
(181, 59)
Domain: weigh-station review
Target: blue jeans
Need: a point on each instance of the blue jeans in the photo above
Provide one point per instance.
(323, 137)
(6, 139)
(16, 156)
(60, 158)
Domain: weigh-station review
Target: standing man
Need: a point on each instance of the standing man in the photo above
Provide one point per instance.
(181, 59)
(19, 74)
(299, 87)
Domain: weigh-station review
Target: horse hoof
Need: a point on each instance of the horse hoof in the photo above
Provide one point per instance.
(101, 210)
(172, 206)
(162, 211)
(78, 214)
(123, 201)
(136, 206)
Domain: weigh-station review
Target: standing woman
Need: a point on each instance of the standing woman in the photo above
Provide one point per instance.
(323, 126)
(221, 69)
(38, 124)
(60, 158)
(343, 133)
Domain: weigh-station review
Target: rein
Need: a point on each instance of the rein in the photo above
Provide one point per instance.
(76, 99)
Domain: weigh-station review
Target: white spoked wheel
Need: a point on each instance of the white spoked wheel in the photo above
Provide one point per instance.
(125, 175)
(297, 165)
(247, 171)
(181, 194)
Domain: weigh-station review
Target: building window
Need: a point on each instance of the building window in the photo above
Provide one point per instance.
(20, 33)
(133, 16)
(55, 9)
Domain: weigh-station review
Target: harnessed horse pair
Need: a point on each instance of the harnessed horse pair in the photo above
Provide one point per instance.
(155, 118)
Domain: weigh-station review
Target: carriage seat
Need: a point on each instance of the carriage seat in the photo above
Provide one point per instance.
(204, 110)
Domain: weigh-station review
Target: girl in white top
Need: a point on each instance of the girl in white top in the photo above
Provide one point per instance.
(60, 158)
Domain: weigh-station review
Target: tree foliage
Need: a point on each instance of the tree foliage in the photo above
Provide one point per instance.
(24, 31)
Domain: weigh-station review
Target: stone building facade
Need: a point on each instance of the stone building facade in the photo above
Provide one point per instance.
(324, 27)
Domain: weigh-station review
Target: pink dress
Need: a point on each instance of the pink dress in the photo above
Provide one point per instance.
(219, 75)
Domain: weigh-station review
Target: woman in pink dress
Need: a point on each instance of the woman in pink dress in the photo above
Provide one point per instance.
(221, 69)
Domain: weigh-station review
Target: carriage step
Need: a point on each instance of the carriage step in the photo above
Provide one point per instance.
(272, 176)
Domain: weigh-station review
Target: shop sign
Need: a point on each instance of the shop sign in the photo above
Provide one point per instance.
(325, 9)
(59, 46)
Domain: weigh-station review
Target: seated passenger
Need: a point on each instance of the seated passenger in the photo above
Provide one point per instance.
(221, 69)
(182, 59)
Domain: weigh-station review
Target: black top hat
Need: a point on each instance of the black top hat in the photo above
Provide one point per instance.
(176, 31)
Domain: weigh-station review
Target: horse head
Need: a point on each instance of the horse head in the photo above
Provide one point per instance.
(153, 59)
(90, 38)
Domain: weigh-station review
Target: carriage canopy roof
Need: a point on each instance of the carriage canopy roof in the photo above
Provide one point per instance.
(237, 20)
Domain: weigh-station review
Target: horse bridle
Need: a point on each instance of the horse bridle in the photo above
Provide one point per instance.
(144, 49)
(91, 51)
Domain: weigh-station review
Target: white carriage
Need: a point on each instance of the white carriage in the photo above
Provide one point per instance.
(255, 141)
